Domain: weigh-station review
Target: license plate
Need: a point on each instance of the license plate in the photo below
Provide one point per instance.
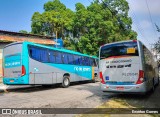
(11, 80)
(120, 88)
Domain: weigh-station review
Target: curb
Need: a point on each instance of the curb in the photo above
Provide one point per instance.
(8, 88)
(3, 88)
(3, 91)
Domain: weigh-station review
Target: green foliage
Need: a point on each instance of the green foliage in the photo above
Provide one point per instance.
(86, 28)
(157, 48)
(54, 5)
(56, 17)
(23, 31)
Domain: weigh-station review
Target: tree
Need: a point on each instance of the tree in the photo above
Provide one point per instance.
(87, 28)
(23, 31)
(97, 24)
(157, 46)
(56, 17)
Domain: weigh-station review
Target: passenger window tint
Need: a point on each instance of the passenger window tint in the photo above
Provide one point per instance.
(52, 56)
(87, 61)
(70, 59)
(92, 62)
(80, 60)
(64, 58)
(38, 54)
(58, 57)
(76, 59)
(43, 55)
(83, 61)
(34, 53)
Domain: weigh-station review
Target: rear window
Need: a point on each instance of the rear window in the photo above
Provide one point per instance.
(119, 49)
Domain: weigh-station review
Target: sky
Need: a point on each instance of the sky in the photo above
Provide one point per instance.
(16, 15)
(145, 14)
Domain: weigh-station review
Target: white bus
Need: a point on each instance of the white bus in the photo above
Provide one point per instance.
(127, 66)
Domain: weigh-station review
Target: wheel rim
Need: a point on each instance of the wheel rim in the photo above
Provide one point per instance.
(66, 82)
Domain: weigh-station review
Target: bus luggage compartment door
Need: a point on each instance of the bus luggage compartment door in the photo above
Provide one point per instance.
(41, 78)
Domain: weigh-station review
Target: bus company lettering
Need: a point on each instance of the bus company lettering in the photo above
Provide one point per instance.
(82, 69)
(11, 64)
(119, 61)
(119, 66)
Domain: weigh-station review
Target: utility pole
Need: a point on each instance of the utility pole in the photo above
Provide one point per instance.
(56, 39)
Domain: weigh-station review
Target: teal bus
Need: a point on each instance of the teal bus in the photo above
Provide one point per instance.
(26, 63)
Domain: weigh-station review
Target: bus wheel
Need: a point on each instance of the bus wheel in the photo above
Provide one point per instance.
(66, 82)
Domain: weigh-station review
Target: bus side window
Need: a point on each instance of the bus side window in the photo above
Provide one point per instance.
(58, 57)
(31, 52)
(92, 62)
(95, 62)
(52, 57)
(70, 59)
(80, 60)
(87, 61)
(34, 53)
(43, 55)
(83, 61)
(76, 59)
(64, 58)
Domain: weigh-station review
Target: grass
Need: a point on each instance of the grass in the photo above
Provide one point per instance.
(116, 103)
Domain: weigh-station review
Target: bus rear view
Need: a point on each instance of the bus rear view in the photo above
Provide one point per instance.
(13, 70)
(121, 68)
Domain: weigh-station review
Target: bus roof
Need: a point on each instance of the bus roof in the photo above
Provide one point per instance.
(62, 50)
(126, 41)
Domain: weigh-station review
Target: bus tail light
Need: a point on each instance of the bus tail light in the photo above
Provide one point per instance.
(23, 70)
(101, 77)
(141, 77)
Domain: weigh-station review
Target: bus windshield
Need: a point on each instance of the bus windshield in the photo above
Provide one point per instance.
(119, 49)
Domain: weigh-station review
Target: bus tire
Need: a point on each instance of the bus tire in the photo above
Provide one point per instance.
(66, 82)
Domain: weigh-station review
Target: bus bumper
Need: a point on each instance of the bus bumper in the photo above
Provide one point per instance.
(138, 88)
(15, 81)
